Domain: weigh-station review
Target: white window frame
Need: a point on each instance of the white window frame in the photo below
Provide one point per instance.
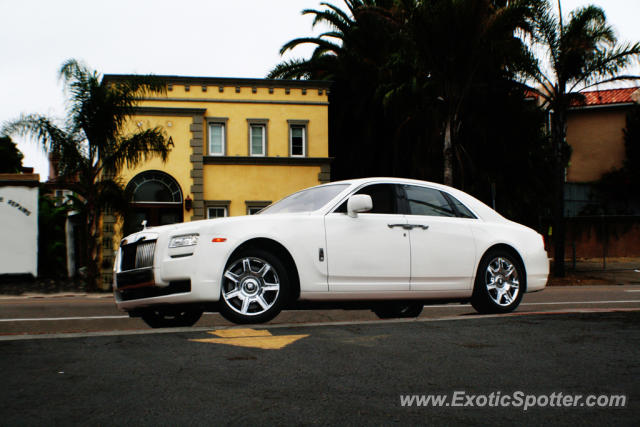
(263, 127)
(304, 124)
(263, 123)
(257, 205)
(224, 209)
(211, 122)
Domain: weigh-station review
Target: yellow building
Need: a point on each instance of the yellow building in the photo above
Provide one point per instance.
(237, 146)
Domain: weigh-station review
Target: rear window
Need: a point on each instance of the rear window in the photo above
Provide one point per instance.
(463, 212)
(427, 201)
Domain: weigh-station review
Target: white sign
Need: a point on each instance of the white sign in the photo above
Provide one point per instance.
(19, 230)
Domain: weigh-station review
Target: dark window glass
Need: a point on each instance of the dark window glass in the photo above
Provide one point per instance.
(297, 140)
(155, 186)
(383, 197)
(463, 212)
(152, 191)
(427, 201)
(253, 210)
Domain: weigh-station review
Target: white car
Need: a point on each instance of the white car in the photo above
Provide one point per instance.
(391, 245)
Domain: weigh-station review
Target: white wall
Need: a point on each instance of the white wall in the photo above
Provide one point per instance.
(18, 230)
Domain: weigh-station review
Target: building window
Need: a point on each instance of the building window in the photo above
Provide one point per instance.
(257, 137)
(257, 140)
(298, 138)
(216, 139)
(216, 212)
(217, 136)
(255, 206)
(157, 199)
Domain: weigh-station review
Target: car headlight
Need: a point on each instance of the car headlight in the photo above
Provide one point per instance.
(183, 240)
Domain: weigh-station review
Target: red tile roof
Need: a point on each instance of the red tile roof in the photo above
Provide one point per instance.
(609, 96)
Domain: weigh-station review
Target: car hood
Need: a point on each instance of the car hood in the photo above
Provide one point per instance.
(199, 225)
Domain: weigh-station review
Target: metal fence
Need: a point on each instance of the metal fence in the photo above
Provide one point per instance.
(598, 242)
(602, 242)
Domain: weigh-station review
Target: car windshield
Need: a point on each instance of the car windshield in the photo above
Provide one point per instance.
(308, 200)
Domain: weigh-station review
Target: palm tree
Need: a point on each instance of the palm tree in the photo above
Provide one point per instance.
(453, 46)
(579, 54)
(93, 145)
(333, 46)
(352, 53)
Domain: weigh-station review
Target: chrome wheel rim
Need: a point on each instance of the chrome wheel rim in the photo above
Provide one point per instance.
(501, 279)
(251, 287)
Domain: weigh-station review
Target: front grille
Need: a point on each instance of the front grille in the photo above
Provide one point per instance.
(137, 255)
(139, 277)
(177, 287)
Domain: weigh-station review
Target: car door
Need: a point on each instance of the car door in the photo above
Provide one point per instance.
(441, 240)
(369, 253)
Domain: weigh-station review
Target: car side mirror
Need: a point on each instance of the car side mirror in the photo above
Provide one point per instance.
(359, 203)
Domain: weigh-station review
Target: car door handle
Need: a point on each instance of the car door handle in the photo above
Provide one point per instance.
(405, 226)
(409, 226)
(424, 227)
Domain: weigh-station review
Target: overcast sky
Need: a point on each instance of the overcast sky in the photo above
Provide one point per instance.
(217, 38)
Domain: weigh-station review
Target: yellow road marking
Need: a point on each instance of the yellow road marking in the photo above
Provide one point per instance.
(237, 333)
(251, 338)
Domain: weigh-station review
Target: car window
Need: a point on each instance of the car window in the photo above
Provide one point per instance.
(307, 200)
(463, 212)
(427, 201)
(383, 197)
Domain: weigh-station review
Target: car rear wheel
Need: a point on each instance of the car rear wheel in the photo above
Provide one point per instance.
(398, 309)
(171, 317)
(254, 287)
(500, 283)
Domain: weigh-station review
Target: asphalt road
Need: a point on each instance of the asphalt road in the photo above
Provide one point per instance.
(351, 373)
(67, 314)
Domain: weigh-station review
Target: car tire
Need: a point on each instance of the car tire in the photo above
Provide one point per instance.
(171, 317)
(398, 309)
(500, 283)
(255, 287)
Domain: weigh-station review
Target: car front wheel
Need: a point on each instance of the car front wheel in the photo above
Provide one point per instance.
(500, 283)
(254, 287)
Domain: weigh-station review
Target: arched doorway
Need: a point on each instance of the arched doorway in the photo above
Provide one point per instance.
(157, 198)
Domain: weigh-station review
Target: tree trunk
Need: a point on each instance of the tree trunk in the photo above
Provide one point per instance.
(93, 247)
(447, 152)
(558, 134)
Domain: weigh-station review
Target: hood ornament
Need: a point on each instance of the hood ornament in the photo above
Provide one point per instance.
(144, 224)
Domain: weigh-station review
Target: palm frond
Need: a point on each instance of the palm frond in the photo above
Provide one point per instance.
(605, 66)
(290, 69)
(332, 18)
(327, 45)
(131, 150)
(42, 129)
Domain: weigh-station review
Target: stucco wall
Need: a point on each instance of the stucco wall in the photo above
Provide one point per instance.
(597, 139)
